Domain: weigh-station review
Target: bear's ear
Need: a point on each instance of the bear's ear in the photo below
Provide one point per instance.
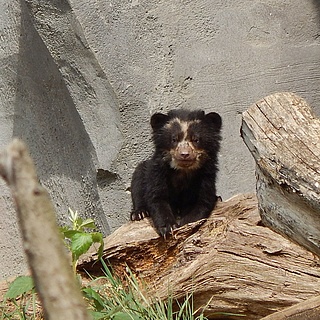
(215, 119)
(158, 120)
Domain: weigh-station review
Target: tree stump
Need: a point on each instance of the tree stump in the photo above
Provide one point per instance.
(229, 262)
(283, 135)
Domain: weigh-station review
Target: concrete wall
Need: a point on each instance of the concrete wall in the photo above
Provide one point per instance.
(80, 79)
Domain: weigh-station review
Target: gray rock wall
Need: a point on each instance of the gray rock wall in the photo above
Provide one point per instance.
(80, 79)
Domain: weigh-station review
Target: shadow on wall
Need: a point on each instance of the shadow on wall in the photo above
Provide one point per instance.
(317, 8)
(46, 118)
(316, 36)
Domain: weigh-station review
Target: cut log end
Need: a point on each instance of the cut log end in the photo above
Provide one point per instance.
(283, 135)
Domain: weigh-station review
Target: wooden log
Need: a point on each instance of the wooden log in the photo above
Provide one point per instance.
(306, 310)
(230, 262)
(283, 135)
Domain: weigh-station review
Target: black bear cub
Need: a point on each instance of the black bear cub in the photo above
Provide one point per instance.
(178, 184)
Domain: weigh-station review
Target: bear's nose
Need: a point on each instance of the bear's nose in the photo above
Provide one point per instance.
(184, 154)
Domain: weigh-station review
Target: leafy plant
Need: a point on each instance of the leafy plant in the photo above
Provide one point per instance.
(20, 300)
(80, 238)
(19, 286)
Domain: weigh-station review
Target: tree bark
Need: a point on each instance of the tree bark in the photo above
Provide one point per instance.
(51, 270)
(283, 136)
(230, 262)
(306, 310)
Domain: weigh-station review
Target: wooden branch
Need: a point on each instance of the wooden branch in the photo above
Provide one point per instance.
(54, 280)
(229, 262)
(283, 135)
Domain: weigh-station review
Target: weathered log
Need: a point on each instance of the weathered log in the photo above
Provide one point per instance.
(230, 262)
(283, 136)
(305, 310)
(55, 282)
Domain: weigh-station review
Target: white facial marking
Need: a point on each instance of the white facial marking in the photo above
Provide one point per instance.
(184, 128)
(183, 124)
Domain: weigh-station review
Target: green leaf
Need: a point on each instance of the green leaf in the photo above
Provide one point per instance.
(98, 238)
(95, 297)
(70, 233)
(64, 229)
(19, 286)
(80, 243)
(88, 223)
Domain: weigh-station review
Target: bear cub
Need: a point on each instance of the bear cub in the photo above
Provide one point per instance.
(177, 185)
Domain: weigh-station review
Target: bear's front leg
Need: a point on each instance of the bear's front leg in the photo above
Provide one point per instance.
(163, 218)
(204, 205)
(197, 213)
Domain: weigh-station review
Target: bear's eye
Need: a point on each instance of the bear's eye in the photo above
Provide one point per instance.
(195, 140)
(174, 139)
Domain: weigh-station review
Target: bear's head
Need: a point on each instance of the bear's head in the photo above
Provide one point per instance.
(186, 139)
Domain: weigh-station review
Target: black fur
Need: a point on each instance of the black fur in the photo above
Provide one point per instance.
(178, 184)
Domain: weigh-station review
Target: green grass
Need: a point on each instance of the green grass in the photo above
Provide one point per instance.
(111, 300)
